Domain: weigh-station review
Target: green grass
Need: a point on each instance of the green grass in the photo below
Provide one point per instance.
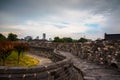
(25, 60)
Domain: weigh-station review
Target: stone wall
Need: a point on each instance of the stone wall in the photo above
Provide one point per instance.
(61, 69)
(100, 52)
(47, 52)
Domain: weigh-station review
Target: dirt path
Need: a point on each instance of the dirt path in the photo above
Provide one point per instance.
(42, 60)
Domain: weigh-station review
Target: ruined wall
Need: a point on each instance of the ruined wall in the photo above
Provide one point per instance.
(101, 52)
(61, 69)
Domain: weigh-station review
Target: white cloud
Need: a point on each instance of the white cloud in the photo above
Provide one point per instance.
(62, 17)
(74, 23)
(96, 19)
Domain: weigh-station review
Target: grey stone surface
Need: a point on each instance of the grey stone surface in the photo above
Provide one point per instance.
(93, 58)
(93, 71)
(100, 52)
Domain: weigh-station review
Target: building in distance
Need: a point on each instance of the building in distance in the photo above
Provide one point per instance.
(112, 36)
(28, 38)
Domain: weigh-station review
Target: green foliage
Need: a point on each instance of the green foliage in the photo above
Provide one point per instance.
(12, 37)
(56, 39)
(26, 61)
(82, 40)
(69, 40)
(2, 37)
(65, 39)
(20, 48)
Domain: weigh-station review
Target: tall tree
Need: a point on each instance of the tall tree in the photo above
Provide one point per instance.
(6, 48)
(2, 37)
(82, 40)
(57, 39)
(12, 37)
(67, 39)
(20, 48)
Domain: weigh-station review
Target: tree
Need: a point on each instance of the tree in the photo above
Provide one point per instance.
(20, 48)
(67, 39)
(82, 40)
(2, 37)
(57, 39)
(75, 41)
(12, 37)
(6, 48)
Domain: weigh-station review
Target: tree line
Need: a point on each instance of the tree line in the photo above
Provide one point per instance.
(13, 37)
(10, 37)
(69, 40)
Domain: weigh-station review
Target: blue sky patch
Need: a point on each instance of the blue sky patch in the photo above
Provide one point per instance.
(92, 25)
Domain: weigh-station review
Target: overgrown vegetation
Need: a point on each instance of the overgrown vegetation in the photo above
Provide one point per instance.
(7, 47)
(26, 61)
(20, 48)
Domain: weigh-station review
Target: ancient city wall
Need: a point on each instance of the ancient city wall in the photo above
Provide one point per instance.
(61, 69)
(101, 52)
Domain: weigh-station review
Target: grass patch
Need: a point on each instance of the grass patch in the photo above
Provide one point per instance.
(25, 60)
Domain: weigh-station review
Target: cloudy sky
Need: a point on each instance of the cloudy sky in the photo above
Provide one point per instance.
(64, 18)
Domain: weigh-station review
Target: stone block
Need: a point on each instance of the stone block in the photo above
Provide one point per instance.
(30, 78)
(19, 78)
(59, 70)
(15, 70)
(16, 75)
(2, 69)
(36, 69)
(51, 66)
(42, 75)
(4, 78)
